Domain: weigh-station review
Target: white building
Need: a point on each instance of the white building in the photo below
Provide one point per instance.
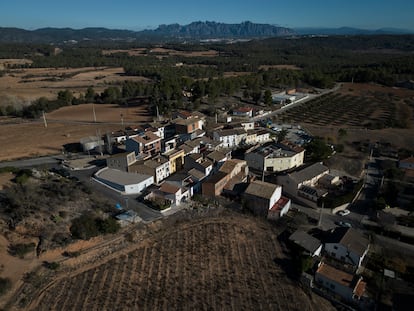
(230, 138)
(275, 157)
(128, 183)
(347, 245)
(351, 288)
(307, 176)
(158, 167)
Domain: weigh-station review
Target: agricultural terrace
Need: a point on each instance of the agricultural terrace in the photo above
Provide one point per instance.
(230, 262)
(374, 110)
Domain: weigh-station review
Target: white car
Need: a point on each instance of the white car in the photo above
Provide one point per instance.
(344, 212)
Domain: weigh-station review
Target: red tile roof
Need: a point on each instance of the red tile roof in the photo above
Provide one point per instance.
(169, 188)
(244, 109)
(279, 204)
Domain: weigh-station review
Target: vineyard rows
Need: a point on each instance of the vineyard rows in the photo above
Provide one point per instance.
(222, 264)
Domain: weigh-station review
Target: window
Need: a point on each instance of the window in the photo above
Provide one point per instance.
(335, 247)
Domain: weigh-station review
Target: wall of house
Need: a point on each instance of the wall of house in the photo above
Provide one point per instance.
(337, 288)
(118, 163)
(132, 146)
(285, 209)
(341, 252)
(406, 165)
(162, 172)
(254, 160)
(288, 184)
(214, 189)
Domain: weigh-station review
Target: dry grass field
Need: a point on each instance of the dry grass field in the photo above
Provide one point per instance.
(230, 262)
(23, 139)
(25, 85)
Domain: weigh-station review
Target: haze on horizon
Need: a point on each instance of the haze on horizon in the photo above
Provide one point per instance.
(138, 14)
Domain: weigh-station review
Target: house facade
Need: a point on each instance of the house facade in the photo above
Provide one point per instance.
(243, 112)
(147, 144)
(214, 185)
(407, 164)
(230, 138)
(260, 196)
(349, 287)
(347, 245)
(158, 167)
(307, 176)
(176, 159)
(274, 157)
(121, 161)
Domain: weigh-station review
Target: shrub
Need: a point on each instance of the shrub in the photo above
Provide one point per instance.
(21, 249)
(109, 225)
(87, 226)
(84, 227)
(51, 265)
(5, 285)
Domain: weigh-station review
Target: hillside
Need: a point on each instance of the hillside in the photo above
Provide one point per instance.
(196, 30)
(218, 261)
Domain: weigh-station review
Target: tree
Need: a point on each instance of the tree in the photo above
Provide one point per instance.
(267, 98)
(90, 94)
(318, 150)
(281, 135)
(65, 97)
(111, 94)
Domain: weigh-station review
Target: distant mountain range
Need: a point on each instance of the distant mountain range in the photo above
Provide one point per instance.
(341, 31)
(193, 31)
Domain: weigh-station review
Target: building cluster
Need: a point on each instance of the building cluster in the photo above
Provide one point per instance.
(169, 162)
(339, 257)
(174, 160)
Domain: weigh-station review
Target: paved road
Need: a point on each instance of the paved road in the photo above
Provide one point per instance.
(34, 162)
(114, 197)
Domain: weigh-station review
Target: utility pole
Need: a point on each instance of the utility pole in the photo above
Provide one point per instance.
(44, 118)
(320, 215)
(94, 114)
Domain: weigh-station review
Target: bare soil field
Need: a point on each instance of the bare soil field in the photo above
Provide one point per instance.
(103, 113)
(22, 139)
(32, 83)
(223, 262)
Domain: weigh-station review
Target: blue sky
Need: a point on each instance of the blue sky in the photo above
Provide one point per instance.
(137, 14)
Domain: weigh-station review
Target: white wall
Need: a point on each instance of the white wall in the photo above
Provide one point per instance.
(341, 252)
(139, 187)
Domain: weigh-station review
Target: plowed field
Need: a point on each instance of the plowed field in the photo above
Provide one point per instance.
(226, 263)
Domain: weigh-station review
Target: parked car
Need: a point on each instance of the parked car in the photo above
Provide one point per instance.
(344, 212)
(343, 224)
